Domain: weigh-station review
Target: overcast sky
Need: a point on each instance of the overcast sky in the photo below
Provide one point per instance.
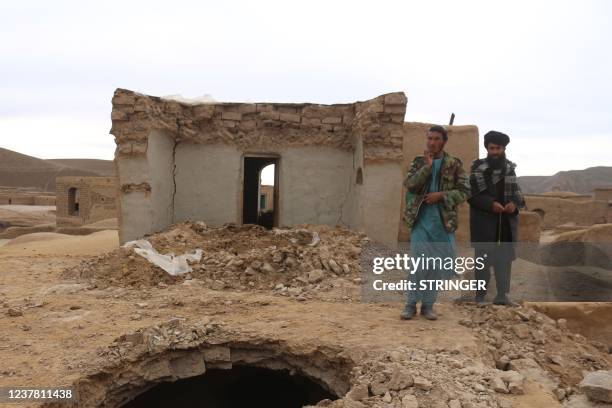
(538, 70)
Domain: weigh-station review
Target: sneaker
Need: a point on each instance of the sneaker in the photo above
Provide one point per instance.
(428, 312)
(409, 312)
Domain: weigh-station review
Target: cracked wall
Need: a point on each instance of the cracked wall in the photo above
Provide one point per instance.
(194, 171)
(147, 188)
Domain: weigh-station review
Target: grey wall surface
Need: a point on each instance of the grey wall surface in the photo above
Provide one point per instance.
(208, 183)
(135, 208)
(142, 212)
(381, 201)
(315, 186)
(161, 167)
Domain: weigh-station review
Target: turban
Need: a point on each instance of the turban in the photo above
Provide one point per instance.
(497, 138)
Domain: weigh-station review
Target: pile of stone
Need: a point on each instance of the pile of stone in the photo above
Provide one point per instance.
(293, 262)
(412, 378)
(520, 345)
(525, 341)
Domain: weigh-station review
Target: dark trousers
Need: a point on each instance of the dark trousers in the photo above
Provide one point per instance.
(501, 262)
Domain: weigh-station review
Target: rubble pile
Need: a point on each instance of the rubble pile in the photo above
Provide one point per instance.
(411, 378)
(520, 345)
(529, 342)
(171, 334)
(294, 261)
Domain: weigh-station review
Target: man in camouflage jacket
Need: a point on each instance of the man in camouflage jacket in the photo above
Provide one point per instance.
(454, 184)
(436, 184)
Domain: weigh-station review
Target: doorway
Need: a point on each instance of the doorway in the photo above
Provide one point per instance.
(73, 201)
(260, 191)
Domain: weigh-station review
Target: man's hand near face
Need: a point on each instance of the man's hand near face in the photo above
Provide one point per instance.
(432, 198)
(497, 207)
(510, 208)
(428, 158)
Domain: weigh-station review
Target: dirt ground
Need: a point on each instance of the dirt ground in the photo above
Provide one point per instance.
(26, 215)
(54, 326)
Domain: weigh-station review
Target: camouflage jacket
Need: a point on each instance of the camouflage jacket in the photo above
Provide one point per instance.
(454, 183)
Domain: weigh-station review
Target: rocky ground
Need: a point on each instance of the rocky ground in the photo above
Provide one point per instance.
(83, 312)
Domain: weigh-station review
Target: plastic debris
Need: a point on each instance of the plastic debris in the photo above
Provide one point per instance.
(174, 265)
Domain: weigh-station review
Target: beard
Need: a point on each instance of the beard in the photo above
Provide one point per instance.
(497, 162)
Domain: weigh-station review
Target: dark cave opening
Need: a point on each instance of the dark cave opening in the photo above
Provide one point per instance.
(242, 386)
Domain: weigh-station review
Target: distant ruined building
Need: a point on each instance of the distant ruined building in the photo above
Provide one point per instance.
(84, 200)
(557, 208)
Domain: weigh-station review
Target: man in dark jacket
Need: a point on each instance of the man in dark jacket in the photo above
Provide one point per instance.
(494, 211)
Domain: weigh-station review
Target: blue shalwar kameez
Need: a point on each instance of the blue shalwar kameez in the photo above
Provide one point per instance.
(429, 238)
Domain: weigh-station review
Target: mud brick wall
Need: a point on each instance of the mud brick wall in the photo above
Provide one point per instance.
(97, 199)
(603, 194)
(558, 211)
(15, 198)
(338, 164)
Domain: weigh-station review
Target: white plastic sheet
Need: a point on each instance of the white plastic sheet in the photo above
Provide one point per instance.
(174, 265)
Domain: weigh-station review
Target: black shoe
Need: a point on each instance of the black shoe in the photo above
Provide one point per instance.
(409, 312)
(428, 312)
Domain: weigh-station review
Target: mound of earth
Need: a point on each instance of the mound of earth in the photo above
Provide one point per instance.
(36, 236)
(25, 215)
(68, 246)
(14, 232)
(108, 223)
(293, 261)
(591, 319)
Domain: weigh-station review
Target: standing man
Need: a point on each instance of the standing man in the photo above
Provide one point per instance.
(494, 203)
(436, 184)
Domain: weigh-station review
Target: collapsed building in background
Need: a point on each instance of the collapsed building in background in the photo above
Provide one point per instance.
(84, 200)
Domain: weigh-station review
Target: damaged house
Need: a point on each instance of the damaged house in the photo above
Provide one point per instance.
(84, 200)
(339, 164)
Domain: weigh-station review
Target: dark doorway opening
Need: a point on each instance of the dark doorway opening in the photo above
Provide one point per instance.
(240, 387)
(260, 196)
(73, 201)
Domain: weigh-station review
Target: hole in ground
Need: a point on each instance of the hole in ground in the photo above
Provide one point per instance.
(241, 386)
